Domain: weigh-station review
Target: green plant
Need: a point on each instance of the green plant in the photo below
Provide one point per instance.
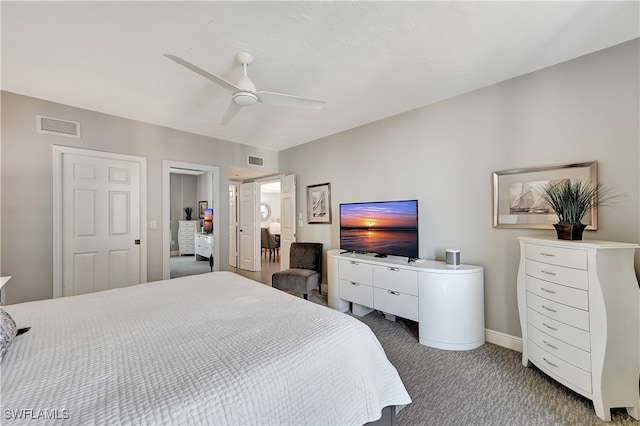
(572, 199)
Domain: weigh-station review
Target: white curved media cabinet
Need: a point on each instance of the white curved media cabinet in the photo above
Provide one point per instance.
(446, 301)
(579, 305)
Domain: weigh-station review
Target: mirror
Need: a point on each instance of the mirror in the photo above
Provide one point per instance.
(265, 211)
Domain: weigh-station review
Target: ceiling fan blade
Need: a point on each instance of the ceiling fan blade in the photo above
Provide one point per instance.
(272, 98)
(231, 112)
(206, 74)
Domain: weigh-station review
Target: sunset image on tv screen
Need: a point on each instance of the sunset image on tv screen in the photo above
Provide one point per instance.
(381, 227)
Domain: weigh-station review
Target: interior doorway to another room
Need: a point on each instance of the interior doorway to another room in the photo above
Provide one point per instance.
(190, 247)
(269, 217)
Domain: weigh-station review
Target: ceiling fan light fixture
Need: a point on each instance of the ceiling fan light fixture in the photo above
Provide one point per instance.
(245, 99)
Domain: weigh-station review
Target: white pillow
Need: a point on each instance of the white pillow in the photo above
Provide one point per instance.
(8, 332)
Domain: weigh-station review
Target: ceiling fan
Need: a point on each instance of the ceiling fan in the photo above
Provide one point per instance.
(244, 91)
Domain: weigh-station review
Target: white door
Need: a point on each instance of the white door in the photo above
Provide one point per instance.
(100, 223)
(288, 219)
(249, 233)
(233, 225)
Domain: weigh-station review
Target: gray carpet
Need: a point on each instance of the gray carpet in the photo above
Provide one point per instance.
(182, 266)
(485, 386)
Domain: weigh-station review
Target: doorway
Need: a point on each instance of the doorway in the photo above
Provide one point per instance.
(268, 203)
(206, 182)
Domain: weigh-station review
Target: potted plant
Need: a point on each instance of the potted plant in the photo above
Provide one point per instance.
(571, 200)
(188, 211)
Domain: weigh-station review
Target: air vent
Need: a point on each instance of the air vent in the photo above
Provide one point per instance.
(256, 161)
(56, 126)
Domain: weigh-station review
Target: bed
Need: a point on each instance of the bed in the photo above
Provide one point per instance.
(215, 348)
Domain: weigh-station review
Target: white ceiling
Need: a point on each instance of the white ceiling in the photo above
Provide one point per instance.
(367, 60)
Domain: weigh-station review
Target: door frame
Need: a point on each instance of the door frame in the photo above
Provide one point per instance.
(234, 238)
(167, 165)
(58, 153)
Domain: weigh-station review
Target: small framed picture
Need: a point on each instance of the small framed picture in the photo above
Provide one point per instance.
(319, 203)
(201, 206)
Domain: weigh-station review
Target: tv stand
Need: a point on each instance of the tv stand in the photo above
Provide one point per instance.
(447, 302)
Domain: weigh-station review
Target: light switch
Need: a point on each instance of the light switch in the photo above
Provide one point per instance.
(153, 224)
(300, 222)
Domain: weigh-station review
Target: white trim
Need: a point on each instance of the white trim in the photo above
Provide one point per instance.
(167, 165)
(58, 152)
(504, 340)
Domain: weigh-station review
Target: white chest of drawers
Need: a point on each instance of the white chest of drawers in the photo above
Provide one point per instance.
(203, 245)
(186, 230)
(447, 302)
(579, 311)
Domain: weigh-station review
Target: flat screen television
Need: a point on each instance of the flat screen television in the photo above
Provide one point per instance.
(381, 227)
(208, 221)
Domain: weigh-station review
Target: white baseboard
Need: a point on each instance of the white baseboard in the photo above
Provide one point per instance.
(504, 340)
(175, 253)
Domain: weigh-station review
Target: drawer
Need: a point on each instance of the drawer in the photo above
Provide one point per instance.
(353, 270)
(558, 293)
(559, 312)
(554, 366)
(561, 331)
(396, 303)
(355, 292)
(563, 350)
(571, 258)
(577, 278)
(396, 279)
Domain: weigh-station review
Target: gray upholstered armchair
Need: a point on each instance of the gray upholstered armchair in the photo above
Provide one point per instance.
(305, 273)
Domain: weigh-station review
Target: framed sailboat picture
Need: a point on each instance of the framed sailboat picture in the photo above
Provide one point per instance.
(517, 200)
(319, 203)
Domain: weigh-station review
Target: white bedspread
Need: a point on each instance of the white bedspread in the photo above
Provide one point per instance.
(208, 349)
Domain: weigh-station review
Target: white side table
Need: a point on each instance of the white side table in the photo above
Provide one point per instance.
(3, 281)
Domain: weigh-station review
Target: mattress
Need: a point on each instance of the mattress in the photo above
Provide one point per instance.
(212, 349)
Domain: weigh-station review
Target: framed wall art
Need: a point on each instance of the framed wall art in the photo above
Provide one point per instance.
(319, 203)
(516, 195)
(201, 206)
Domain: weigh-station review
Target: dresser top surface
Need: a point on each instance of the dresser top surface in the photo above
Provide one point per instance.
(425, 265)
(578, 243)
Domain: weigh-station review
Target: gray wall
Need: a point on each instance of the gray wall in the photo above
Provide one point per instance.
(183, 194)
(444, 154)
(26, 174)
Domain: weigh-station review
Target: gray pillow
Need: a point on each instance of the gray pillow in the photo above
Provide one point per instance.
(8, 331)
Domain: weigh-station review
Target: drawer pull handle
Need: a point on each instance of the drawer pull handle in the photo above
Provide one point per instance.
(547, 254)
(393, 292)
(393, 269)
(549, 309)
(550, 363)
(549, 327)
(353, 262)
(547, 272)
(547, 290)
(549, 344)
(356, 284)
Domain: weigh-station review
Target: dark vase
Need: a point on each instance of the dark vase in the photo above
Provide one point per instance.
(569, 232)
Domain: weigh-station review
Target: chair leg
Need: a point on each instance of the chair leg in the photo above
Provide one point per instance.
(320, 289)
(305, 296)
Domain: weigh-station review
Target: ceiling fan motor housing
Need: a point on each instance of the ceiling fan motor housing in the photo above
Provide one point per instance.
(245, 98)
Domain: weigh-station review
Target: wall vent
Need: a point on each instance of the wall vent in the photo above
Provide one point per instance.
(255, 161)
(57, 126)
